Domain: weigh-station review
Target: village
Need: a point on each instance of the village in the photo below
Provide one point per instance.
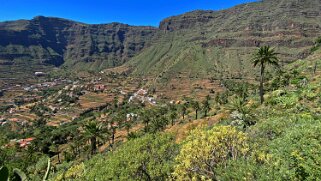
(61, 101)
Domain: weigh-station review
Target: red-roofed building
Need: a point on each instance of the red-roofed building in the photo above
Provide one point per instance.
(23, 143)
(99, 87)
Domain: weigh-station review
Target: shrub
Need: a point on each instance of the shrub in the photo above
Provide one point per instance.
(288, 100)
(284, 148)
(204, 150)
(150, 157)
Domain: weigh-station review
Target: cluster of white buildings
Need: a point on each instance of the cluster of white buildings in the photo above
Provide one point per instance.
(141, 96)
(131, 117)
(45, 85)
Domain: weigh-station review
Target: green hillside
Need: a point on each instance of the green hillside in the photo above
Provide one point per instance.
(284, 143)
(219, 43)
(277, 140)
(228, 136)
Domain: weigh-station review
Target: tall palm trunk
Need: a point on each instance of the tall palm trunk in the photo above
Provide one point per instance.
(113, 137)
(58, 157)
(146, 126)
(261, 84)
(93, 145)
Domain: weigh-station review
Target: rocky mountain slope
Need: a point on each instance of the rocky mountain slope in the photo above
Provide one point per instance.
(55, 41)
(220, 43)
(197, 44)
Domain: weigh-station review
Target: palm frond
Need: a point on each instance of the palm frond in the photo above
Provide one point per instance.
(265, 55)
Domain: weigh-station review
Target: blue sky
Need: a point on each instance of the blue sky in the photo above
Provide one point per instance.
(133, 12)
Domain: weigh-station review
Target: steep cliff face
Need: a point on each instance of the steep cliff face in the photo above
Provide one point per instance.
(200, 43)
(106, 45)
(40, 41)
(266, 15)
(56, 41)
(220, 43)
(187, 21)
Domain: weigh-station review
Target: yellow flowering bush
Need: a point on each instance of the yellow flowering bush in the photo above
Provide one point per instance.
(204, 150)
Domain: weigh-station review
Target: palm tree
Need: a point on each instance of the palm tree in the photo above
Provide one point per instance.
(93, 131)
(264, 55)
(117, 122)
(158, 122)
(115, 102)
(173, 116)
(173, 113)
(128, 125)
(145, 116)
(184, 109)
(112, 127)
(206, 105)
(196, 107)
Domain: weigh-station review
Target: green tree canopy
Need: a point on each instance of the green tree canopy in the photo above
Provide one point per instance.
(264, 55)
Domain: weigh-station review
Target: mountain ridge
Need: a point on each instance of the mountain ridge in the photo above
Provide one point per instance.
(57, 41)
(229, 35)
(225, 39)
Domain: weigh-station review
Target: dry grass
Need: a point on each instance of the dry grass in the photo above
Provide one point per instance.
(182, 130)
(91, 99)
(177, 88)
